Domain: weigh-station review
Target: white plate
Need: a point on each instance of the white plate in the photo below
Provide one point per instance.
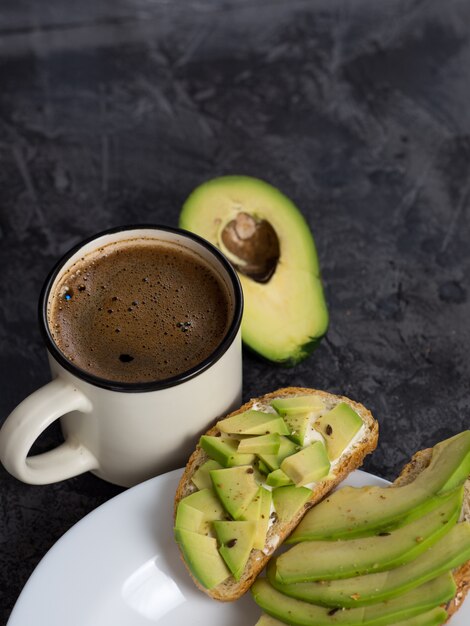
(119, 566)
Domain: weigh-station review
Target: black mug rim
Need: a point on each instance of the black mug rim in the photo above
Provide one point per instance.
(112, 385)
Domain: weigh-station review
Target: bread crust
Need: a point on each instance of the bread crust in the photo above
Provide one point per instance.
(418, 463)
(231, 589)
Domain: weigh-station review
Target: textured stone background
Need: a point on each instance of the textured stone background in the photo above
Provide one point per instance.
(112, 111)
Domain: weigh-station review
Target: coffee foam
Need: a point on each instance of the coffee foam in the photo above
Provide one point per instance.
(139, 310)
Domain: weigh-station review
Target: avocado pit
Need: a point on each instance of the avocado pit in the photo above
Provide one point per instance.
(254, 244)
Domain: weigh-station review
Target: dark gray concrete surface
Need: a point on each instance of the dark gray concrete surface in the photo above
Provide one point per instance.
(111, 112)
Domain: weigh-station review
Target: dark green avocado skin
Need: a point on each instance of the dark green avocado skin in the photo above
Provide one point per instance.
(304, 351)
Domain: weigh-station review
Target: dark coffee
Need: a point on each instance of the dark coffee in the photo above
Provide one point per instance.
(139, 310)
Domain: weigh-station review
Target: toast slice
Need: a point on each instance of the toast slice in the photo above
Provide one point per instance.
(231, 589)
(462, 574)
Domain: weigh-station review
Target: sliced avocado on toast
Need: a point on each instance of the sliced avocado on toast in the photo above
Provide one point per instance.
(332, 560)
(288, 500)
(235, 487)
(243, 503)
(445, 555)
(198, 510)
(236, 540)
(203, 557)
(338, 427)
(404, 607)
(434, 617)
(268, 241)
(359, 512)
(397, 576)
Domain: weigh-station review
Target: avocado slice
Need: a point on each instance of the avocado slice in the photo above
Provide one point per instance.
(278, 479)
(203, 558)
(189, 518)
(299, 424)
(338, 427)
(262, 467)
(267, 620)
(297, 404)
(253, 510)
(448, 553)
(430, 618)
(265, 517)
(260, 444)
(434, 617)
(359, 512)
(269, 242)
(462, 470)
(307, 466)
(196, 511)
(328, 560)
(253, 513)
(253, 423)
(288, 500)
(408, 605)
(273, 461)
(224, 451)
(259, 510)
(458, 445)
(201, 477)
(235, 544)
(235, 487)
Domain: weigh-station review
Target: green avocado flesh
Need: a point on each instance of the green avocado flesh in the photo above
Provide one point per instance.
(307, 466)
(458, 446)
(253, 510)
(267, 620)
(261, 444)
(434, 617)
(285, 316)
(273, 461)
(224, 451)
(278, 479)
(188, 518)
(447, 554)
(198, 510)
(289, 500)
(236, 541)
(298, 425)
(359, 512)
(203, 558)
(408, 605)
(327, 560)
(259, 510)
(201, 477)
(296, 404)
(262, 467)
(235, 487)
(253, 423)
(338, 427)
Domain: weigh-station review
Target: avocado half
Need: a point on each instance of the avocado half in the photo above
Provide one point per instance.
(268, 241)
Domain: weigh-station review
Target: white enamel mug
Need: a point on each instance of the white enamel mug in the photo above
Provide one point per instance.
(124, 432)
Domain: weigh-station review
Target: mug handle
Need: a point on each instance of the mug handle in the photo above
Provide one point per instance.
(30, 418)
